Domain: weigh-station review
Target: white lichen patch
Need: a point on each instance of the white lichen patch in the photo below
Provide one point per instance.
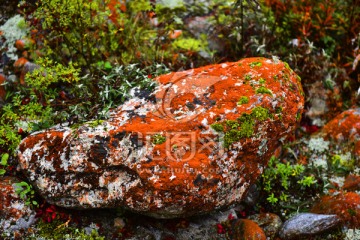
(318, 145)
(14, 29)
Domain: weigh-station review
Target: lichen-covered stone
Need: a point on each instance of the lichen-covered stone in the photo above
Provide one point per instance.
(269, 222)
(15, 215)
(345, 129)
(247, 229)
(188, 148)
(346, 205)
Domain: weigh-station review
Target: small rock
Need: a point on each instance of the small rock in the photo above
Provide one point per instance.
(346, 205)
(247, 229)
(269, 222)
(15, 215)
(352, 183)
(305, 224)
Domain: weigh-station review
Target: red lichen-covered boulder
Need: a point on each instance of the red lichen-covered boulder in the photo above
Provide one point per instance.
(346, 205)
(194, 145)
(345, 129)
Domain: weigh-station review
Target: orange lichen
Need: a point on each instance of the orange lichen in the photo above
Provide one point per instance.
(247, 229)
(345, 205)
(175, 34)
(20, 62)
(20, 44)
(345, 127)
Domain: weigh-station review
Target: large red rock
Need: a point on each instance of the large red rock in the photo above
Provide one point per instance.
(195, 145)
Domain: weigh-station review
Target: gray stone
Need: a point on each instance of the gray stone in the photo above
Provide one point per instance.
(305, 224)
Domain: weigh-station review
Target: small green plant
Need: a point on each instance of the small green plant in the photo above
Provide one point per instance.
(243, 100)
(341, 166)
(280, 179)
(4, 163)
(272, 199)
(307, 181)
(26, 192)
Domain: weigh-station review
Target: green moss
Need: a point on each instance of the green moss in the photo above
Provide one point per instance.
(243, 100)
(262, 81)
(231, 136)
(58, 230)
(247, 129)
(247, 77)
(245, 117)
(217, 127)
(263, 90)
(260, 113)
(232, 124)
(158, 139)
(95, 123)
(255, 64)
(242, 127)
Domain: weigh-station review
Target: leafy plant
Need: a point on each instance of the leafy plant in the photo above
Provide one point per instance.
(102, 33)
(26, 192)
(4, 163)
(279, 180)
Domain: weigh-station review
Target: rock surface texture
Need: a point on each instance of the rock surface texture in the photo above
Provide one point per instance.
(194, 145)
(306, 224)
(15, 215)
(344, 129)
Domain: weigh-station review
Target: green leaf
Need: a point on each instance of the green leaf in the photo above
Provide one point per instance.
(107, 66)
(4, 159)
(2, 171)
